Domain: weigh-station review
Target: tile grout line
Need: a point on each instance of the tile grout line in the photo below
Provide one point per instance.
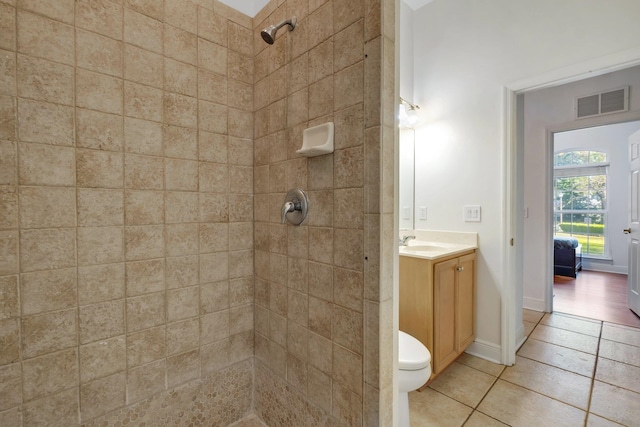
(593, 375)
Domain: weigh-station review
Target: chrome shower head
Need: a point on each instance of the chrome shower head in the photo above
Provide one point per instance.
(269, 33)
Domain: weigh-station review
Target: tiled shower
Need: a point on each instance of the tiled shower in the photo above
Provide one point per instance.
(146, 147)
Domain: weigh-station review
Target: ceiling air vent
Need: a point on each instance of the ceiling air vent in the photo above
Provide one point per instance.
(612, 101)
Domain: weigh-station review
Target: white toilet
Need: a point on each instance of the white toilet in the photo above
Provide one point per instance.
(414, 369)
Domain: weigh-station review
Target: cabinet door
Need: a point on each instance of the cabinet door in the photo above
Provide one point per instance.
(466, 315)
(445, 344)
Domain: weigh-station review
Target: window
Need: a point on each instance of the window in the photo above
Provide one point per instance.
(580, 199)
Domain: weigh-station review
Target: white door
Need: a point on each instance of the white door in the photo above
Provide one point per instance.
(633, 280)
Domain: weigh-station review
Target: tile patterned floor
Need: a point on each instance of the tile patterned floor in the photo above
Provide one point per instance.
(571, 371)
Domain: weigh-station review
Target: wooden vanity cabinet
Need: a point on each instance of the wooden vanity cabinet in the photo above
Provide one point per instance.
(437, 305)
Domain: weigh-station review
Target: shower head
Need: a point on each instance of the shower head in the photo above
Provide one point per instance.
(269, 33)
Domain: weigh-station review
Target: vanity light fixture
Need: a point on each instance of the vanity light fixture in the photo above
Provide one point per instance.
(408, 113)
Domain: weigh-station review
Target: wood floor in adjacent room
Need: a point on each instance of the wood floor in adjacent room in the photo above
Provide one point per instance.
(596, 295)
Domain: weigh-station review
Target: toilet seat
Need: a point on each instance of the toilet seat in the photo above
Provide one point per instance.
(412, 354)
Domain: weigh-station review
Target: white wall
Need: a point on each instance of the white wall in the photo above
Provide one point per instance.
(613, 140)
(465, 52)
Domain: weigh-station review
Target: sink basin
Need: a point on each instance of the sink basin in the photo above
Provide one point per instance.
(424, 248)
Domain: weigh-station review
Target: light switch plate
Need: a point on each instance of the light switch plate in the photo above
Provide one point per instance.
(471, 213)
(423, 212)
(406, 212)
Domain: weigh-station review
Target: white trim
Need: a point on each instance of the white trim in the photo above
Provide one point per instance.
(604, 268)
(535, 304)
(485, 350)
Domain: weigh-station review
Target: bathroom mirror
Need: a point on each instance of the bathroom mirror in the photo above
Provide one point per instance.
(407, 179)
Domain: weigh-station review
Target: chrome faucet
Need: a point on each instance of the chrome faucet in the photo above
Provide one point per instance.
(405, 239)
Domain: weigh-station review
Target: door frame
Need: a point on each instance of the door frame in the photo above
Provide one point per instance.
(511, 187)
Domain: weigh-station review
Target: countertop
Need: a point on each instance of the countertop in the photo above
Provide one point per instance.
(432, 245)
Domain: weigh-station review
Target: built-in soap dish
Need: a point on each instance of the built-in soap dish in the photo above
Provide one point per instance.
(317, 140)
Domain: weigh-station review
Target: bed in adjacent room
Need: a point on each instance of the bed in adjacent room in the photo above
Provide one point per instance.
(567, 256)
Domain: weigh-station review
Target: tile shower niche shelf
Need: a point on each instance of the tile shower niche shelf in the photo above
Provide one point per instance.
(317, 140)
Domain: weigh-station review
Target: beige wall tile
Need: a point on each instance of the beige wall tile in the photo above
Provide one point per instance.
(142, 136)
(9, 305)
(142, 102)
(58, 10)
(240, 95)
(152, 8)
(181, 271)
(318, 28)
(181, 207)
(241, 207)
(9, 164)
(182, 303)
(144, 242)
(183, 367)
(182, 13)
(214, 177)
(183, 336)
(347, 328)
(348, 288)
(240, 264)
(47, 249)
(98, 92)
(214, 267)
(180, 45)
(347, 406)
(212, 57)
(144, 207)
(240, 123)
(47, 207)
(62, 406)
(180, 142)
(212, 26)
(320, 353)
(48, 332)
(214, 207)
(100, 16)
(182, 239)
(240, 67)
(142, 66)
(102, 396)
(11, 389)
(48, 290)
(10, 341)
(146, 346)
(298, 108)
(348, 248)
(143, 31)
(98, 130)
(98, 283)
(44, 38)
(180, 77)
(44, 80)
(349, 86)
(102, 358)
(7, 27)
(100, 245)
(181, 174)
(48, 374)
(321, 98)
(8, 211)
(320, 244)
(100, 207)
(241, 291)
(145, 311)
(8, 123)
(212, 117)
(373, 82)
(180, 110)
(143, 277)
(214, 237)
(98, 53)
(349, 167)
(344, 216)
(373, 18)
(101, 321)
(319, 390)
(321, 280)
(8, 75)
(45, 122)
(144, 381)
(321, 61)
(212, 87)
(349, 125)
(143, 172)
(214, 326)
(320, 317)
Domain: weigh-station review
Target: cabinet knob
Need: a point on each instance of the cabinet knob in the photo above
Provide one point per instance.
(460, 268)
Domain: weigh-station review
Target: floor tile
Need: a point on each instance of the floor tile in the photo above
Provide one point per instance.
(550, 381)
(560, 357)
(618, 374)
(619, 333)
(249, 421)
(532, 316)
(478, 419)
(485, 366)
(572, 323)
(615, 404)
(620, 352)
(464, 384)
(564, 338)
(433, 409)
(596, 421)
(517, 406)
(528, 327)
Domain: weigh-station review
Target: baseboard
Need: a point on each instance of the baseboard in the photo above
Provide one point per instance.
(485, 350)
(533, 304)
(604, 268)
(520, 336)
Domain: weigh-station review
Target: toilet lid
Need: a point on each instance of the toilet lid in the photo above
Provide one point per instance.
(412, 354)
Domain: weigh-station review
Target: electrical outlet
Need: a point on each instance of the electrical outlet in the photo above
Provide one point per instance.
(471, 213)
(423, 212)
